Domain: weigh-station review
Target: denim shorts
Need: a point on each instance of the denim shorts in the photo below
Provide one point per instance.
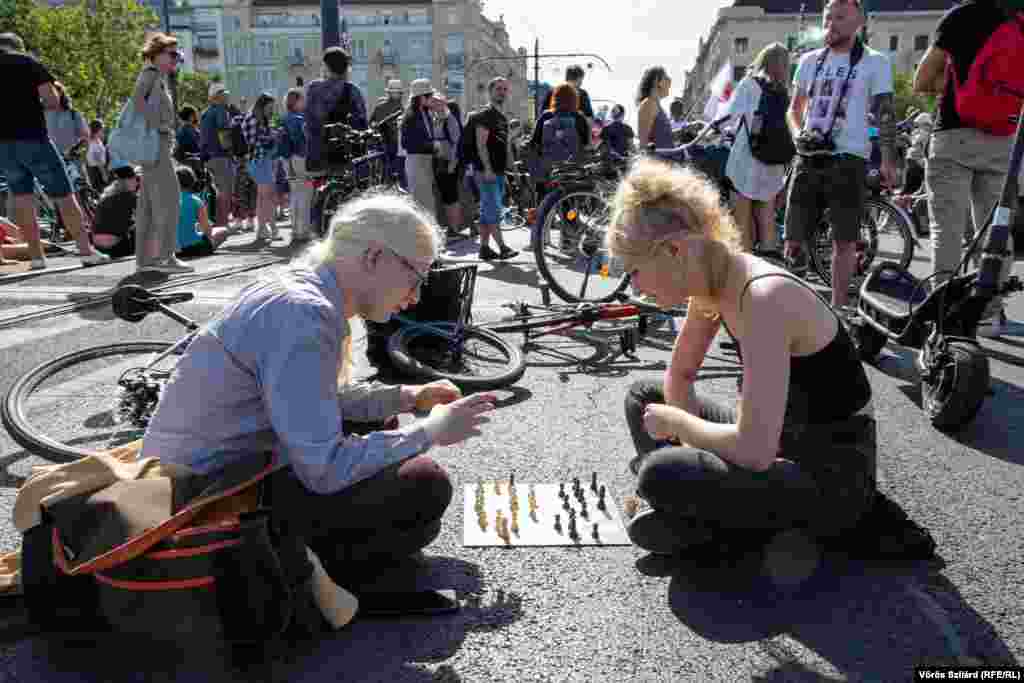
(492, 196)
(262, 171)
(24, 161)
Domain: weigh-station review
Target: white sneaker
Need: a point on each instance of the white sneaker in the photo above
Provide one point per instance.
(95, 258)
(38, 264)
(172, 266)
(993, 327)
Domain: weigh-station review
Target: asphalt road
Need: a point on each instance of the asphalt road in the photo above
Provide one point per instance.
(611, 614)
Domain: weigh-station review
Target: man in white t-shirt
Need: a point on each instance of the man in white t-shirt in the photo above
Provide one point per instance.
(829, 119)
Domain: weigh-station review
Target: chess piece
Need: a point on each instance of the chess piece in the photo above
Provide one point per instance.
(565, 505)
(558, 523)
(497, 487)
(561, 489)
(512, 480)
(601, 505)
(593, 482)
(583, 509)
(594, 532)
(573, 534)
(515, 526)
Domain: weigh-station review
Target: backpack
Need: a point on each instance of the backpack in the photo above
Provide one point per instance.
(467, 142)
(772, 144)
(991, 96)
(239, 147)
(559, 141)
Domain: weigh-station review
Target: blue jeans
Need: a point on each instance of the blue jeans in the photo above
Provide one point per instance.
(492, 196)
(23, 162)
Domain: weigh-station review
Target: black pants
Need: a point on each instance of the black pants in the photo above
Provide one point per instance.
(372, 523)
(824, 483)
(123, 247)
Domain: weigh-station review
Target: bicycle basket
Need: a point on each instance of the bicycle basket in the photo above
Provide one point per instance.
(447, 295)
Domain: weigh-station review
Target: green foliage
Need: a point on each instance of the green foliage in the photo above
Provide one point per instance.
(93, 48)
(905, 98)
(194, 89)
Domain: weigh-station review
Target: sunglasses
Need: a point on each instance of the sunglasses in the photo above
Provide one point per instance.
(179, 56)
(421, 279)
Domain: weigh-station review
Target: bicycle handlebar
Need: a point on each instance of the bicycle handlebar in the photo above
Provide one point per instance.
(680, 151)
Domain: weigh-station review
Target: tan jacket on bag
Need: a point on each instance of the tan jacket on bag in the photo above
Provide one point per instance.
(50, 484)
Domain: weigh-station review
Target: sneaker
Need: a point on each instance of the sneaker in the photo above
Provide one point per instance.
(664, 534)
(994, 326)
(95, 258)
(172, 266)
(38, 264)
(488, 254)
(507, 253)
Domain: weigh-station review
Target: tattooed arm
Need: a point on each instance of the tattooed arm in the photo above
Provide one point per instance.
(883, 107)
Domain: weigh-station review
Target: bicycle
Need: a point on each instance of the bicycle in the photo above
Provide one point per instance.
(942, 324)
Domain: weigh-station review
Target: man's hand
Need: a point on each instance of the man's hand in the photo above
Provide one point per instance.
(660, 421)
(455, 422)
(425, 396)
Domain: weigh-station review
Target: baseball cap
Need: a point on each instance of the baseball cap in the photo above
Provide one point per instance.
(218, 89)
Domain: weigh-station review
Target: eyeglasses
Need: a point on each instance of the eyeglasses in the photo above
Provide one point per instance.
(421, 279)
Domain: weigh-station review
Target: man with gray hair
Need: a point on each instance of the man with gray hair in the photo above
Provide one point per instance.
(28, 155)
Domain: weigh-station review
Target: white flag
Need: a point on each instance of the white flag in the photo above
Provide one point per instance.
(721, 87)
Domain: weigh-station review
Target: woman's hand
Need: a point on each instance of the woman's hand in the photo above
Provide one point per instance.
(455, 422)
(660, 421)
(425, 396)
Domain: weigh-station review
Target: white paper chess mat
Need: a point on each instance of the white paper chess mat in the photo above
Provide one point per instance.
(539, 529)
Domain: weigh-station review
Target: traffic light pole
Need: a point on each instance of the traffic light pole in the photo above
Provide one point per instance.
(330, 23)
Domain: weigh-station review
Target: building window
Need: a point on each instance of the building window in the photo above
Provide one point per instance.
(419, 17)
(920, 43)
(894, 43)
(453, 17)
(741, 45)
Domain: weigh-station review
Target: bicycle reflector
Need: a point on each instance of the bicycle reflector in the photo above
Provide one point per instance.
(571, 214)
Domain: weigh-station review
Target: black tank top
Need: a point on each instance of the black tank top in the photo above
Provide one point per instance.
(829, 384)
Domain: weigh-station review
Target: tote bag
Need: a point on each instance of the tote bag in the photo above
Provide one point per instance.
(132, 141)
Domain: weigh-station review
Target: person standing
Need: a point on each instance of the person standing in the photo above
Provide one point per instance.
(65, 124)
(419, 143)
(755, 183)
(156, 221)
(27, 155)
(619, 135)
(448, 133)
(96, 156)
(260, 138)
(332, 99)
(835, 88)
(652, 122)
(301, 194)
(574, 77)
(215, 145)
(966, 165)
(386, 106)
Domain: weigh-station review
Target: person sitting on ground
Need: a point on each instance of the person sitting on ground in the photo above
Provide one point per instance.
(114, 224)
(13, 245)
(273, 372)
(193, 243)
(795, 453)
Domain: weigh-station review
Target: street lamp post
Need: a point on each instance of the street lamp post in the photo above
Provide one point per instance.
(172, 78)
(330, 23)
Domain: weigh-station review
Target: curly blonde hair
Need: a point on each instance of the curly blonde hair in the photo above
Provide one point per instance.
(157, 43)
(657, 202)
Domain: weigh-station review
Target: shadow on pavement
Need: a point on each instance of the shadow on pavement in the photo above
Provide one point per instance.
(870, 621)
(397, 649)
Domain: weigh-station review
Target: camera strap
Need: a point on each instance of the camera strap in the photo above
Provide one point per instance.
(856, 53)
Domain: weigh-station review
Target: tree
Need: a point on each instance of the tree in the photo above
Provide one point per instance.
(92, 48)
(905, 97)
(194, 89)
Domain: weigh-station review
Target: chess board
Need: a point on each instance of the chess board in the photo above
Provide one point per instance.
(538, 528)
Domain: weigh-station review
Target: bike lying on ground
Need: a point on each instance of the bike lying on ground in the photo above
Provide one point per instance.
(943, 323)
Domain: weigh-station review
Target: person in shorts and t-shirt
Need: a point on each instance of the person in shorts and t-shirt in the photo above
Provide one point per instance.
(829, 119)
(966, 166)
(489, 155)
(214, 143)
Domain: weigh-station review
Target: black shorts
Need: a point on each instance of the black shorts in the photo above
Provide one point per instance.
(204, 247)
(913, 177)
(448, 187)
(835, 182)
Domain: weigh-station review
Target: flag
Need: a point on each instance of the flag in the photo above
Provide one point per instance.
(345, 41)
(721, 92)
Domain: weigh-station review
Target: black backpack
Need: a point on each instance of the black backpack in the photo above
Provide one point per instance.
(773, 143)
(467, 142)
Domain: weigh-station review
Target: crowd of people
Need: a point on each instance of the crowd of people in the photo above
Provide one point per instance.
(794, 452)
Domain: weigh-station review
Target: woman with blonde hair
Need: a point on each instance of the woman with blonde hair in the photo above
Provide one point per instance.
(795, 452)
(156, 219)
(756, 184)
(272, 372)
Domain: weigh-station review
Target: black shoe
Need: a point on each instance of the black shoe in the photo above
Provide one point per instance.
(377, 351)
(665, 534)
(488, 254)
(507, 253)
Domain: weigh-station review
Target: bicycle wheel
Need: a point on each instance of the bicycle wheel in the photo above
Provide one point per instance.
(568, 246)
(886, 234)
(74, 405)
(333, 197)
(478, 360)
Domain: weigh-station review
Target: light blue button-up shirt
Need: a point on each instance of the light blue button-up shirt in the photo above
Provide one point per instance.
(263, 374)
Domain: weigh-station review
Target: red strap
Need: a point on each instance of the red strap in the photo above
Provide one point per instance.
(192, 552)
(184, 584)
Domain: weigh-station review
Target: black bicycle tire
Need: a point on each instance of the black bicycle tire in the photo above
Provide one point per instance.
(971, 382)
(398, 351)
(538, 250)
(12, 410)
(326, 216)
(906, 229)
